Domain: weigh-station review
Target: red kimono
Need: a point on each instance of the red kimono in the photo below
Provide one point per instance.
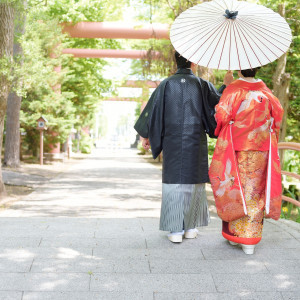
(248, 121)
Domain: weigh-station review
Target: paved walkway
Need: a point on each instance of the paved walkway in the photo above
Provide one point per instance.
(92, 233)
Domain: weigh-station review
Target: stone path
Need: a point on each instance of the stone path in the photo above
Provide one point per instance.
(92, 233)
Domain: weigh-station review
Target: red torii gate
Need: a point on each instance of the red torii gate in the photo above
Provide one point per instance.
(114, 30)
(117, 30)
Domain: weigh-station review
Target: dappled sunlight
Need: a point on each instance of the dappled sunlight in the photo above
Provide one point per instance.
(16, 255)
(95, 187)
(253, 262)
(50, 286)
(284, 281)
(67, 253)
(244, 294)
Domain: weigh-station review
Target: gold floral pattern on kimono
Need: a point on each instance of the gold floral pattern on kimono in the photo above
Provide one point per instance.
(253, 169)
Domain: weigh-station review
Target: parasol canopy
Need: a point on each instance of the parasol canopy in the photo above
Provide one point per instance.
(230, 35)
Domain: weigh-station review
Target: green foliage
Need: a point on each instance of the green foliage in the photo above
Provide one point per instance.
(290, 211)
(86, 143)
(166, 11)
(138, 110)
(291, 161)
(141, 148)
(292, 10)
(211, 143)
(80, 80)
(39, 82)
(16, 3)
(85, 80)
(290, 189)
(81, 10)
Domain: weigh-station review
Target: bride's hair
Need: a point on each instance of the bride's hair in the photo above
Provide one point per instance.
(250, 72)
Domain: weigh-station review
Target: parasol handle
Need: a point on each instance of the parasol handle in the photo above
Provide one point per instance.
(230, 14)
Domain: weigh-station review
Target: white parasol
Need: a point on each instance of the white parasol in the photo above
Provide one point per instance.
(230, 35)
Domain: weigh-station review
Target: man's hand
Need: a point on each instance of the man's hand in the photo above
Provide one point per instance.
(146, 144)
(228, 78)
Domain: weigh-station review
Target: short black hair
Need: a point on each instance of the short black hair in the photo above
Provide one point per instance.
(250, 72)
(182, 63)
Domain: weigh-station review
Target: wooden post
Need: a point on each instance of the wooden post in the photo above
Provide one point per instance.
(41, 146)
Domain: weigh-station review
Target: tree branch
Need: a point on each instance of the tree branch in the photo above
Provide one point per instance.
(172, 7)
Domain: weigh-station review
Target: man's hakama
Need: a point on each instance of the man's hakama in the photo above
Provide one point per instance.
(184, 206)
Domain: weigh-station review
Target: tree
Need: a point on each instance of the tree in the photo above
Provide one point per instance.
(85, 80)
(42, 45)
(283, 75)
(7, 12)
(12, 137)
(165, 12)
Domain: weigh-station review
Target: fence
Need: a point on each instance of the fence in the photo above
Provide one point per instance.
(296, 147)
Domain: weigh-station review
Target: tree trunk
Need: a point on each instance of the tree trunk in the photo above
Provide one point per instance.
(283, 96)
(12, 138)
(7, 12)
(281, 83)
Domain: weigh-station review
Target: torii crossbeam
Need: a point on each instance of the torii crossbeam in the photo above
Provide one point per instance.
(114, 30)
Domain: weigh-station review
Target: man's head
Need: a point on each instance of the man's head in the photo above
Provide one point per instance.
(181, 62)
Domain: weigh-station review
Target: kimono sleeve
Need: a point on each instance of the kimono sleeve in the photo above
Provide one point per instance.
(277, 114)
(211, 97)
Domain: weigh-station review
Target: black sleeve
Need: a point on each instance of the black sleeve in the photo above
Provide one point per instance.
(141, 125)
(151, 121)
(221, 89)
(211, 97)
(156, 120)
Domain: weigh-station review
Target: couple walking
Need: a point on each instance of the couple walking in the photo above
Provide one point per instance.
(245, 169)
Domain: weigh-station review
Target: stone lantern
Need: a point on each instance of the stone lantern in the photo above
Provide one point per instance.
(41, 126)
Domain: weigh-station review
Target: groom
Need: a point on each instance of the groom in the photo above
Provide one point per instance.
(176, 119)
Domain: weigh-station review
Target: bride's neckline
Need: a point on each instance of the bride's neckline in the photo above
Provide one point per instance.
(252, 81)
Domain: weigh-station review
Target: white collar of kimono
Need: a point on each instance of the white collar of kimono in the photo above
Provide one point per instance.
(256, 80)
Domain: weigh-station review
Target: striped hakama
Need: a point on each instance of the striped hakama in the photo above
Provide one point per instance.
(184, 206)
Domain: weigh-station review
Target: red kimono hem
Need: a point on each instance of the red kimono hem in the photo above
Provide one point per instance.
(240, 240)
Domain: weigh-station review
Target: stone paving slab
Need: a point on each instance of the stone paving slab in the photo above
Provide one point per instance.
(290, 295)
(11, 295)
(19, 242)
(122, 254)
(191, 266)
(87, 295)
(94, 242)
(19, 266)
(257, 282)
(21, 253)
(44, 282)
(260, 253)
(218, 296)
(90, 265)
(176, 253)
(153, 282)
(283, 266)
(92, 233)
